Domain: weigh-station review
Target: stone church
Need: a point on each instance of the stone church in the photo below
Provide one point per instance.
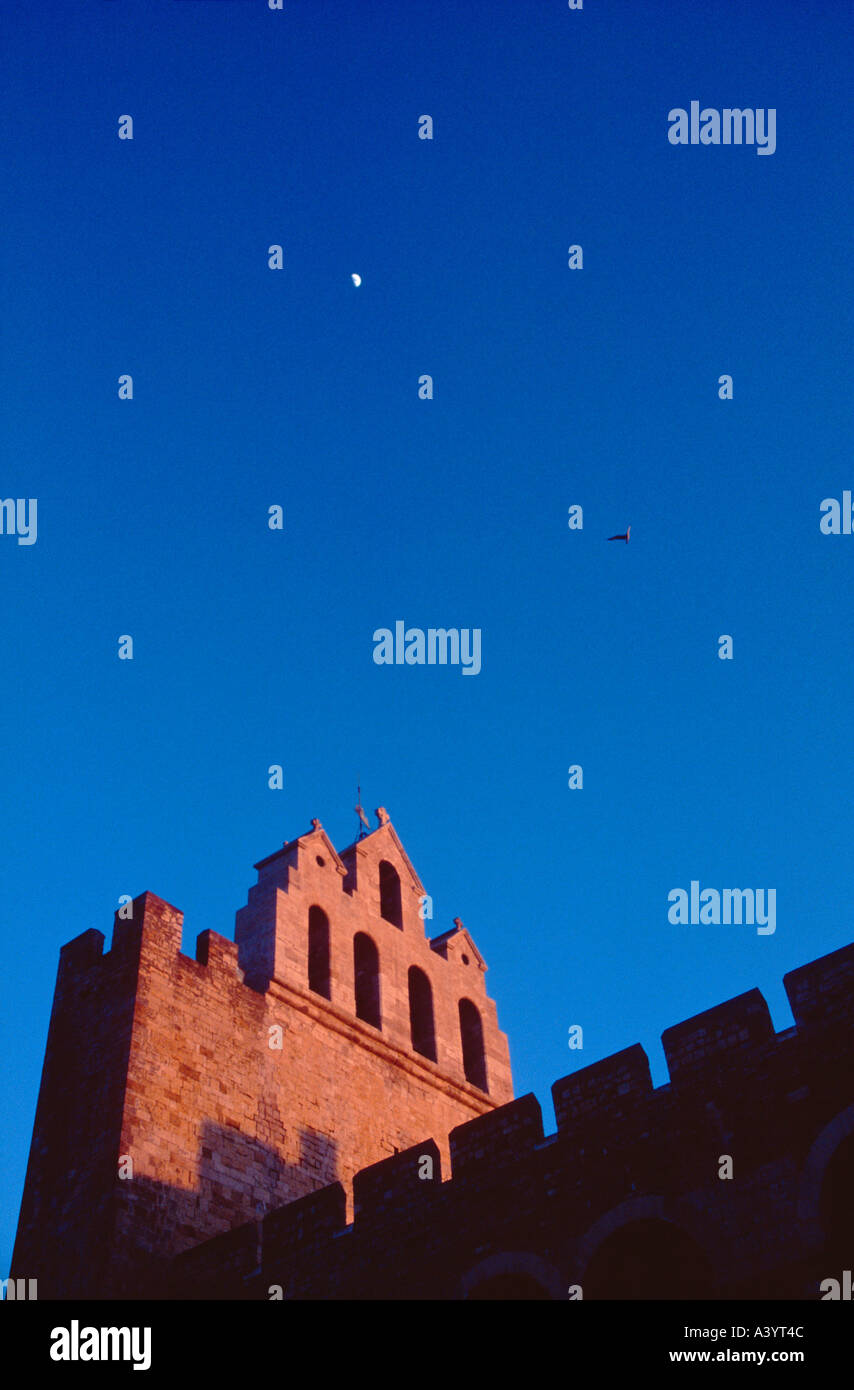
(323, 1108)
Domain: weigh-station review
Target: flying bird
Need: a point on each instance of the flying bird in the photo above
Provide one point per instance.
(622, 538)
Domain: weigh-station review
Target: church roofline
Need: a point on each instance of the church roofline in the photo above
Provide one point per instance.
(387, 825)
(458, 930)
(316, 831)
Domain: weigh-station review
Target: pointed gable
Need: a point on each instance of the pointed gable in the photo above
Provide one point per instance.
(315, 840)
(457, 944)
(382, 843)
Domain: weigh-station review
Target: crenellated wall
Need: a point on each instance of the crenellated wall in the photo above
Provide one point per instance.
(165, 1063)
(346, 1164)
(626, 1199)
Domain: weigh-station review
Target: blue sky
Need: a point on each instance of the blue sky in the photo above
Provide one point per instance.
(552, 387)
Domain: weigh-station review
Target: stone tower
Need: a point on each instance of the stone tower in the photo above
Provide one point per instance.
(181, 1098)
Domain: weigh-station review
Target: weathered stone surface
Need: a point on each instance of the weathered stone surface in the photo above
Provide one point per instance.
(168, 1061)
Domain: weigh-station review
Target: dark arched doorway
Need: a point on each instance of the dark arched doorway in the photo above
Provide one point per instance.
(650, 1259)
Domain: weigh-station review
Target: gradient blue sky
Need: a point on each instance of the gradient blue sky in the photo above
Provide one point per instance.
(552, 387)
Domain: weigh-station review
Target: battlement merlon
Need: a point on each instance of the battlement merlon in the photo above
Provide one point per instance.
(608, 1087)
(822, 990)
(81, 953)
(385, 1189)
(148, 915)
(716, 1034)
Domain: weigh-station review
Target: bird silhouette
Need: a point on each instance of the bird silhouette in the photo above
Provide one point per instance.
(622, 538)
